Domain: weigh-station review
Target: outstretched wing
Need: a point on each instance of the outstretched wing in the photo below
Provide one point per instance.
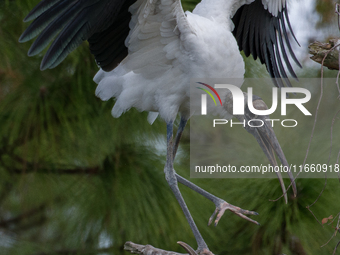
(260, 30)
(159, 29)
(159, 44)
(104, 23)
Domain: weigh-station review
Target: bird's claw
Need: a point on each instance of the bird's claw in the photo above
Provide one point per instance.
(188, 248)
(223, 206)
(191, 251)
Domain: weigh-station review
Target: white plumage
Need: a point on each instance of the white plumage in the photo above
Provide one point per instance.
(167, 48)
(274, 6)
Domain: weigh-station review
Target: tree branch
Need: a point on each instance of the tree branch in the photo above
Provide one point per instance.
(147, 249)
(319, 50)
(21, 217)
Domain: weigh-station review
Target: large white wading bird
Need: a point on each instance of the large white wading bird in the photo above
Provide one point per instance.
(148, 51)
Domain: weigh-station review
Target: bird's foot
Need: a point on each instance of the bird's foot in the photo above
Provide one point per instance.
(150, 250)
(146, 249)
(191, 251)
(223, 206)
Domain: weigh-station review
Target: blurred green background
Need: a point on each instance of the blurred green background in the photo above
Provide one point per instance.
(74, 180)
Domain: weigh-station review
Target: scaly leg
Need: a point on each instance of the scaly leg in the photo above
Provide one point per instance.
(170, 176)
(173, 178)
(221, 205)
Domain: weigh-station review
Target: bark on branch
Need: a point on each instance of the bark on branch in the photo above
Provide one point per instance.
(319, 50)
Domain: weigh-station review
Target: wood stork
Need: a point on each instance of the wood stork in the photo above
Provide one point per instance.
(148, 51)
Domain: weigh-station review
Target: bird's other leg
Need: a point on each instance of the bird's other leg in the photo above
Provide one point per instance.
(180, 129)
(170, 176)
(221, 205)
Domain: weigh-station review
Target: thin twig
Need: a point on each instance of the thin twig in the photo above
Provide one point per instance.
(315, 120)
(314, 215)
(337, 12)
(334, 219)
(336, 247)
(318, 106)
(336, 230)
(337, 83)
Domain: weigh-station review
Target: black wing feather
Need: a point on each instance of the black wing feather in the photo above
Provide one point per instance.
(261, 34)
(70, 22)
(42, 21)
(287, 38)
(68, 40)
(108, 46)
(52, 29)
(284, 54)
(40, 8)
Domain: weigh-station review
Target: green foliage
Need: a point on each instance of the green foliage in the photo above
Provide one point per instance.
(189, 5)
(326, 10)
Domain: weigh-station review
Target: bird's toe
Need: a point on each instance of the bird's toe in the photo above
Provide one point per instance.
(223, 206)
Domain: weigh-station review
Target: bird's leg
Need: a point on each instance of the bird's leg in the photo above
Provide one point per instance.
(173, 178)
(221, 205)
(170, 176)
(179, 133)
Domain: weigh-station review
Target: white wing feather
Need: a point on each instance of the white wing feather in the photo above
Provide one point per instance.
(274, 6)
(154, 41)
(156, 60)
